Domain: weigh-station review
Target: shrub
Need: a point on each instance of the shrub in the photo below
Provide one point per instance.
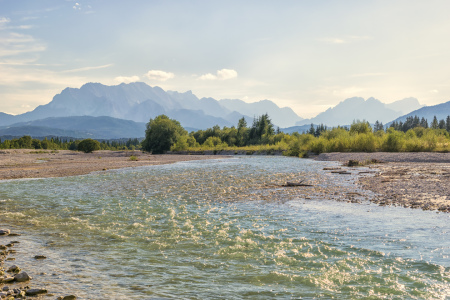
(394, 141)
(88, 145)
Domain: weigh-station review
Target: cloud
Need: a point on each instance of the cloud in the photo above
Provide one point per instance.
(159, 75)
(223, 74)
(4, 20)
(126, 79)
(15, 43)
(77, 6)
(434, 91)
(87, 68)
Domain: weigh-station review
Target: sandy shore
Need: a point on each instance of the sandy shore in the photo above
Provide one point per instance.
(415, 180)
(25, 163)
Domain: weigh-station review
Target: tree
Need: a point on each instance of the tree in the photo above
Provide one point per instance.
(161, 134)
(88, 145)
(378, 126)
(359, 127)
(242, 132)
(434, 123)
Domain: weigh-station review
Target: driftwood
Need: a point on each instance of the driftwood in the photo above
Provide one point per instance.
(291, 184)
(342, 172)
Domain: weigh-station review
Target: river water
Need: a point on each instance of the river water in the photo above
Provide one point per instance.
(223, 229)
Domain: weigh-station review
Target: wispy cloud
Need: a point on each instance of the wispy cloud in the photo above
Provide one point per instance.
(87, 69)
(159, 75)
(223, 74)
(126, 79)
(12, 43)
(4, 20)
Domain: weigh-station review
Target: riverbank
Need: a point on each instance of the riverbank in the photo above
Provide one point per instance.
(26, 163)
(412, 180)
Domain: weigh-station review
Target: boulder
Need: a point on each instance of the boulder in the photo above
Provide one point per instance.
(22, 277)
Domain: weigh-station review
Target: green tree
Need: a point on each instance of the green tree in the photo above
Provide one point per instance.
(359, 127)
(242, 132)
(161, 134)
(435, 123)
(88, 145)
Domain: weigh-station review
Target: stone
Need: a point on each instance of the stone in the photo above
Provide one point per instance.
(3, 247)
(34, 292)
(8, 279)
(5, 231)
(22, 277)
(13, 269)
(5, 288)
(40, 257)
(14, 234)
(68, 297)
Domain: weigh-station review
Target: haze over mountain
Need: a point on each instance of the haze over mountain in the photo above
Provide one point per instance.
(357, 108)
(139, 102)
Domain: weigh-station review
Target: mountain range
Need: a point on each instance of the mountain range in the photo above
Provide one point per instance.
(139, 102)
(371, 110)
(121, 111)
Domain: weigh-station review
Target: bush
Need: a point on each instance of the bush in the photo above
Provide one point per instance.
(364, 142)
(88, 145)
(394, 141)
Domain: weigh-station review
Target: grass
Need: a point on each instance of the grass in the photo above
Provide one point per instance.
(133, 158)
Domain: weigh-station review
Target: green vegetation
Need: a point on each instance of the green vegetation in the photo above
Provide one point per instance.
(88, 145)
(161, 134)
(164, 134)
(55, 143)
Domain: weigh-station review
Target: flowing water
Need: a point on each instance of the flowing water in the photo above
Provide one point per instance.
(223, 229)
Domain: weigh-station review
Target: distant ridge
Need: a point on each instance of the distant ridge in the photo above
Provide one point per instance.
(139, 102)
(441, 111)
(357, 108)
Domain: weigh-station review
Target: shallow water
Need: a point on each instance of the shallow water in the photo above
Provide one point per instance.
(222, 229)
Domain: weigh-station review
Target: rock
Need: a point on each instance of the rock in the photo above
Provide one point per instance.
(22, 277)
(14, 234)
(3, 295)
(5, 231)
(33, 292)
(5, 288)
(69, 297)
(13, 269)
(8, 279)
(40, 257)
(3, 247)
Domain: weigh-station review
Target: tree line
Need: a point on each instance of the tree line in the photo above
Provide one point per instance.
(164, 134)
(57, 143)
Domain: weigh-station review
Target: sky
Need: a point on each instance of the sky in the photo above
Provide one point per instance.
(308, 55)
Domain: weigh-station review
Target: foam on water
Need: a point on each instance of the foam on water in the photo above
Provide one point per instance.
(224, 229)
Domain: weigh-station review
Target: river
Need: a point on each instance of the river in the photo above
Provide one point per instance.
(224, 229)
